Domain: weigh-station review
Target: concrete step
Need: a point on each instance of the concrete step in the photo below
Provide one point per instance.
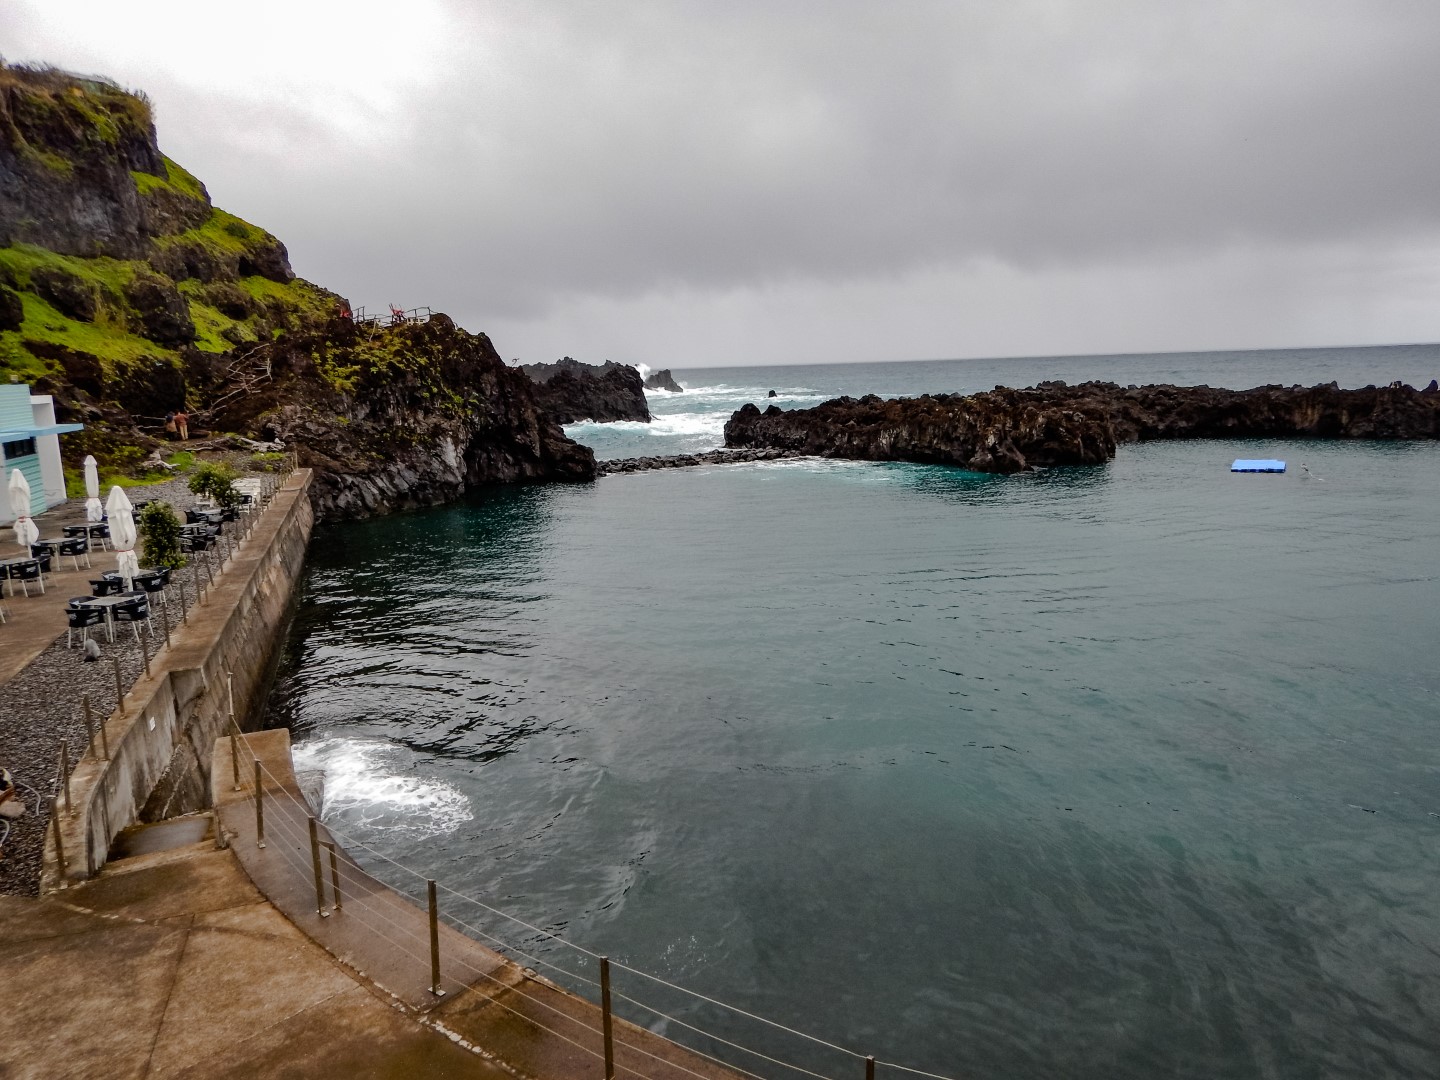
(161, 836)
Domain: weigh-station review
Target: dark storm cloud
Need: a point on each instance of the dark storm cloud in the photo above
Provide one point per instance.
(506, 160)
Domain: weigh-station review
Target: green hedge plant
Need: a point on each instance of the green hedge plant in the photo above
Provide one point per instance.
(159, 530)
(215, 480)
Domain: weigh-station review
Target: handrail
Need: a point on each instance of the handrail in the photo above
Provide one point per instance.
(275, 787)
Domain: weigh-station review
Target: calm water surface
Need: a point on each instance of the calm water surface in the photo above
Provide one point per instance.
(1124, 771)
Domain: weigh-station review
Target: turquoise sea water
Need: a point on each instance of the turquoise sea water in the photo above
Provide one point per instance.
(1125, 771)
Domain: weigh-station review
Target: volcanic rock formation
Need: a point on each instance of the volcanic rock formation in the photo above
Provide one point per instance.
(1006, 430)
(571, 391)
(663, 380)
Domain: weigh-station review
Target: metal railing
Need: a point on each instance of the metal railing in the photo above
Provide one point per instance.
(392, 316)
(208, 567)
(351, 893)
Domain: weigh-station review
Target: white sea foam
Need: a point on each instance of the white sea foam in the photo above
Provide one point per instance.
(666, 424)
(373, 783)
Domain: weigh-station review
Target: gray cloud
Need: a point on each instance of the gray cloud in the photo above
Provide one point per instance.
(551, 168)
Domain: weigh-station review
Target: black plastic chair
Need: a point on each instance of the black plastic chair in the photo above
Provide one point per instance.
(152, 585)
(73, 549)
(71, 531)
(82, 618)
(100, 532)
(106, 586)
(132, 611)
(26, 572)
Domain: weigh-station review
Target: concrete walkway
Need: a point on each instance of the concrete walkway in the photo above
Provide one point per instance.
(171, 964)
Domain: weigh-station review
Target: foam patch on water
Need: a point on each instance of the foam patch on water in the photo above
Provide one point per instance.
(670, 424)
(373, 784)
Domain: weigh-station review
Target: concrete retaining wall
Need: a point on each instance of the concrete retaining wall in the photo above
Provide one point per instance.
(160, 739)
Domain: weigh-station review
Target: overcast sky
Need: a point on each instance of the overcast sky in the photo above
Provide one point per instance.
(745, 182)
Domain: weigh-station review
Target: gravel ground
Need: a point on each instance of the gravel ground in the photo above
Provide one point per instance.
(43, 704)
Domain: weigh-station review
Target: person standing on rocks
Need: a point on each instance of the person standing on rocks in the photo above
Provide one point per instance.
(170, 424)
(182, 425)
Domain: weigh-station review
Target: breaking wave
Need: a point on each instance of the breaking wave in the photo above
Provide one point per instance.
(373, 784)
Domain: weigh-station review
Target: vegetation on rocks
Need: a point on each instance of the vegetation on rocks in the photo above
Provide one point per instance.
(126, 294)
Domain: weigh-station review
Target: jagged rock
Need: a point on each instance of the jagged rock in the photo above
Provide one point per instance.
(164, 314)
(772, 394)
(229, 299)
(1008, 430)
(12, 309)
(67, 293)
(662, 380)
(571, 391)
(433, 412)
(267, 258)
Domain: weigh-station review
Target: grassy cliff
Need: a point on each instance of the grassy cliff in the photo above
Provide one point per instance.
(123, 290)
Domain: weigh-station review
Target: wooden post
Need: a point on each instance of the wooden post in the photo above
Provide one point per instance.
(605, 1021)
(259, 807)
(59, 843)
(319, 881)
(335, 877)
(434, 942)
(869, 1068)
(89, 727)
(65, 774)
(119, 687)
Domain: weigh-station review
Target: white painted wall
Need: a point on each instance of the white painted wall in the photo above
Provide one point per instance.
(47, 447)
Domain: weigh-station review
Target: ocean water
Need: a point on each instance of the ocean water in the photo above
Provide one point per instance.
(1110, 772)
(695, 420)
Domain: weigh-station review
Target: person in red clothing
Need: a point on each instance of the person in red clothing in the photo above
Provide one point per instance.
(182, 425)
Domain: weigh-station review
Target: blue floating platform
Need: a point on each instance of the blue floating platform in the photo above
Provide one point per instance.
(1257, 465)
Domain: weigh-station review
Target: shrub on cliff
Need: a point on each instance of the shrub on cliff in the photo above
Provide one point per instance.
(159, 530)
(215, 480)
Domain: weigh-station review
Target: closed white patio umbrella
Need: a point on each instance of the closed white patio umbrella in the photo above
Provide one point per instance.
(122, 534)
(94, 511)
(26, 531)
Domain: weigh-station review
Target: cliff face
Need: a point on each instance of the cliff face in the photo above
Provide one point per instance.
(126, 293)
(571, 391)
(1008, 430)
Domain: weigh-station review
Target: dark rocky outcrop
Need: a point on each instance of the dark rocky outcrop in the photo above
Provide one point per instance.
(163, 313)
(68, 293)
(663, 380)
(571, 391)
(408, 416)
(1007, 430)
(684, 461)
(12, 310)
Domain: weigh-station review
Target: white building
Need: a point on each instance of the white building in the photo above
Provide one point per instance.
(30, 442)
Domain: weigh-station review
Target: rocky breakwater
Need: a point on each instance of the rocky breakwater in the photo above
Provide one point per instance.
(407, 416)
(1006, 431)
(571, 391)
(685, 461)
